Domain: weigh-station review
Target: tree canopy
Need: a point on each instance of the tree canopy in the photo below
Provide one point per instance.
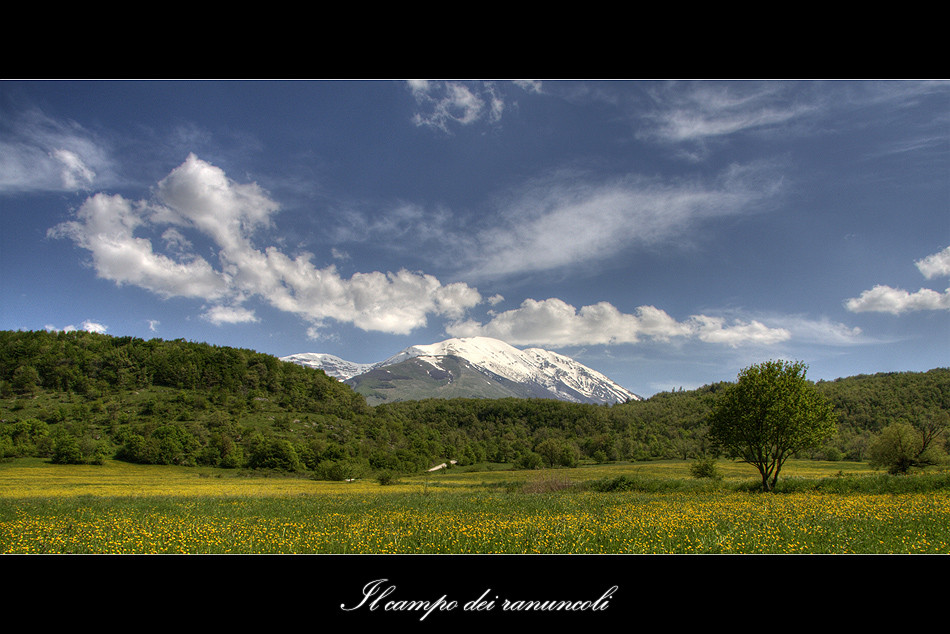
(771, 412)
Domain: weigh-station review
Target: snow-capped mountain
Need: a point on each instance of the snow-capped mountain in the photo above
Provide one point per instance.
(536, 371)
(333, 366)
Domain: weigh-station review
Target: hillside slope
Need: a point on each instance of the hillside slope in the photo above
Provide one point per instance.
(82, 397)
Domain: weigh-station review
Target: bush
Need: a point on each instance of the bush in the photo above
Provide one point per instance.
(619, 483)
(274, 453)
(67, 451)
(704, 467)
(529, 460)
(386, 478)
(339, 470)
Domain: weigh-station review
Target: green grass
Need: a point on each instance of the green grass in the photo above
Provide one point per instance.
(123, 508)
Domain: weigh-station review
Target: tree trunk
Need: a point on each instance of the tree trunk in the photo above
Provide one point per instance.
(766, 485)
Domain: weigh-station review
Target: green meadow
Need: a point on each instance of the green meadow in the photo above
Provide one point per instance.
(639, 508)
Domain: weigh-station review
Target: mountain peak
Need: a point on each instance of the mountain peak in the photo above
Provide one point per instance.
(537, 370)
(334, 366)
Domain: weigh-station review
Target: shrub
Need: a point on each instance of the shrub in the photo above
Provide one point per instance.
(386, 478)
(338, 470)
(274, 453)
(67, 451)
(619, 483)
(705, 467)
(529, 460)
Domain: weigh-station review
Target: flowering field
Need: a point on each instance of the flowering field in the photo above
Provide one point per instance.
(120, 508)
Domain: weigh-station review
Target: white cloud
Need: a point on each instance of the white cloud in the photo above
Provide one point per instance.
(568, 218)
(444, 104)
(198, 196)
(698, 111)
(88, 326)
(936, 265)
(454, 102)
(218, 315)
(91, 326)
(40, 154)
(715, 330)
(886, 299)
(554, 322)
(819, 331)
(105, 226)
(692, 117)
(75, 174)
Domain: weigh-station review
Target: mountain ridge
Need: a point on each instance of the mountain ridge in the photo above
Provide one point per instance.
(529, 373)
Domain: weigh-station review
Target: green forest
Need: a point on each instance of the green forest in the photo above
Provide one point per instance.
(80, 397)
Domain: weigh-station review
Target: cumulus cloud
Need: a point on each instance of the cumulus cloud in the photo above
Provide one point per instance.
(715, 330)
(199, 197)
(105, 226)
(88, 326)
(936, 265)
(885, 299)
(554, 322)
(896, 301)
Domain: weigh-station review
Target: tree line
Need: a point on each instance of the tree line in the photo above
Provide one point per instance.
(84, 397)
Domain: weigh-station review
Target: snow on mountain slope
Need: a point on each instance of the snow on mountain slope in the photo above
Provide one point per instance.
(561, 376)
(333, 366)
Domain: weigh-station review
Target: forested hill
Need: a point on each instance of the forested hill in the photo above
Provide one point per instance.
(84, 397)
(92, 365)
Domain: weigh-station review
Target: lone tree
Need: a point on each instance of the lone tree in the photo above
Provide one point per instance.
(771, 412)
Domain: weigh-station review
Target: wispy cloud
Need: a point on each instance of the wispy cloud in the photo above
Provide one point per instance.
(199, 197)
(38, 153)
(444, 105)
(821, 331)
(570, 218)
(702, 111)
(218, 315)
(896, 301)
(693, 119)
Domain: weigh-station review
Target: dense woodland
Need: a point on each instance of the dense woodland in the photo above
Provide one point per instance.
(79, 397)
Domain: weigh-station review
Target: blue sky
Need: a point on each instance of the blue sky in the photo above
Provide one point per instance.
(666, 233)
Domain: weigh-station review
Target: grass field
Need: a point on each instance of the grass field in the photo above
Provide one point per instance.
(821, 507)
